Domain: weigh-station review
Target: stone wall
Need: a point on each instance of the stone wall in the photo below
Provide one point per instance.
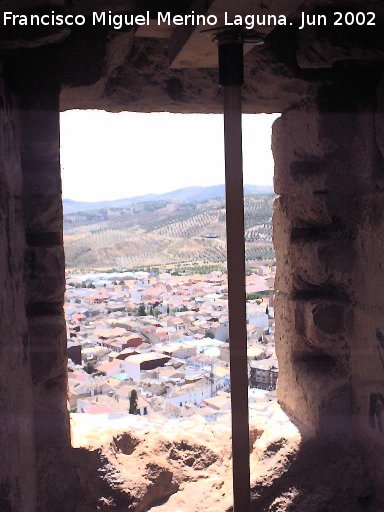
(17, 477)
(328, 231)
(33, 380)
(45, 278)
(328, 234)
(367, 343)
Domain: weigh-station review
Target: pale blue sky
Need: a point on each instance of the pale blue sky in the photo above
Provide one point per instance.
(111, 156)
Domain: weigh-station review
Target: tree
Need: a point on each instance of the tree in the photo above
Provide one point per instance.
(133, 402)
(141, 310)
(90, 368)
(253, 296)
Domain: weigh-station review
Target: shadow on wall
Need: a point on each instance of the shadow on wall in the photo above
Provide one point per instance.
(320, 477)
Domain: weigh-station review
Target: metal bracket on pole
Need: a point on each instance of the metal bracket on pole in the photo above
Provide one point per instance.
(231, 76)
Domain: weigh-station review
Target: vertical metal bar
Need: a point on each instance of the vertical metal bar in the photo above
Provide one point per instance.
(236, 296)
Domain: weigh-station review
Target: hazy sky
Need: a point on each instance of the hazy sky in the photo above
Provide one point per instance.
(111, 156)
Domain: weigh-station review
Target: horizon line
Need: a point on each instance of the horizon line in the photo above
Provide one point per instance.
(166, 192)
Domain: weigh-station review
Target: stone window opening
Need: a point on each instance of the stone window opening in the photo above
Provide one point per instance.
(180, 402)
(328, 148)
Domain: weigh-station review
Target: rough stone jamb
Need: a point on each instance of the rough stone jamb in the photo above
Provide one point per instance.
(45, 270)
(367, 355)
(17, 475)
(325, 159)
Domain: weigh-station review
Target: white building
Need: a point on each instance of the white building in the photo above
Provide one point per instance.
(134, 365)
(178, 350)
(259, 319)
(190, 394)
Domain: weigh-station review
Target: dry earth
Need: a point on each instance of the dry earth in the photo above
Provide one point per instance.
(184, 465)
(178, 464)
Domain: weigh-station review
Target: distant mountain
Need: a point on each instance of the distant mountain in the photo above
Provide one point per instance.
(71, 206)
(187, 194)
(196, 194)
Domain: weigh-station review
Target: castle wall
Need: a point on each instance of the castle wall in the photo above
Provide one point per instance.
(17, 476)
(328, 235)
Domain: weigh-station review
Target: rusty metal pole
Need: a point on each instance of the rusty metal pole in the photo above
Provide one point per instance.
(231, 70)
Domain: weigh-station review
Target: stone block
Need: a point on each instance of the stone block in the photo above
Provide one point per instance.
(379, 119)
(367, 347)
(17, 468)
(319, 48)
(368, 274)
(11, 177)
(328, 325)
(313, 383)
(45, 272)
(40, 131)
(315, 245)
(43, 213)
(51, 415)
(317, 268)
(312, 152)
(48, 347)
(40, 175)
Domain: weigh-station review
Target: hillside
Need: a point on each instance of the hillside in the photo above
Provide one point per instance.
(164, 232)
(190, 194)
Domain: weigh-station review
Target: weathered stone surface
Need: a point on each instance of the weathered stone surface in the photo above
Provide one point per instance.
(143, 82)
(312, 152)
(328, 240)
(44, 272)
(17, 477)
(314, 242)
(51, 416)
(379, 118)
(311, 379)
(47, 336)
(327, 324)
(40, 136)
(319, 47)
(10, 142)
(41, 176)
(43, 213)
(175, 471)
(44, 283)
(329, 151)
